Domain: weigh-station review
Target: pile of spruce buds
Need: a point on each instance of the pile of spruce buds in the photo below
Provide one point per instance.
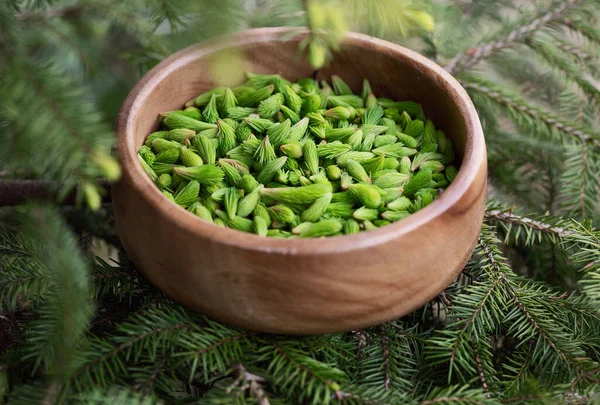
(302, 159)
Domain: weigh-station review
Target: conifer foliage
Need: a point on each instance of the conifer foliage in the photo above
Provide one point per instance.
(520, 325)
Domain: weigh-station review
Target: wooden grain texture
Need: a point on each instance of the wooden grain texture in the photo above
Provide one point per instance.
(302, 286)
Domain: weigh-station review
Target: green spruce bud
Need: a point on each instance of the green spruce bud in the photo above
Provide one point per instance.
(391, 194)
(381, 222)
(345, 180)
(420, 180)
(369, 226)
(319, 207)
(232, 175)
(338, 113)
(390, 164)
(311, 156)
(422, 158)
(248, 183)
(415, 128)
(429, 135)
(339, 134)
(359, 157)
(154, 136)
(366, 214)
(228, 101)
(340, 87)
(226, 137)
(175, 121)
(290, 114)
(304, 181)
(247, 204)
(160, 145)
(187, 195)
(292, 99)
(269, 170)
(205, 174)
(373, 116)
(298, 130)
(407, 140)
(258, 124)
(164, 181)
(270, 106)
(318, 131)
(265, 152)
(167, 156)
(305, 195)
(433, 165)
(395, 150)
(107, 166)
(393, 216)
(146, 153)
(351, 227)
(371, 102)
(252, 97)
(342, 197)
(279, 133)
(204, 98)
(312, 103)
(180, 135)
(374, 165)
(383, 140)
(332, 150)
(260, 226)
(189, 158)
(162, 168)
(333, 172)
(169, 195)
(281, 213)
(451, 173)
(392, 180)
(243, 132)
(239, 223)
(200, 211)
(355, 140)
(239, 113)
(358, 172)
(262, 211)
(324, 227)
(282, 176)
(206, 149)
(366, 194)
(405, 165)
(315, 118)
(230, 201)
(400, 204)
(340, 209)
(292, 149)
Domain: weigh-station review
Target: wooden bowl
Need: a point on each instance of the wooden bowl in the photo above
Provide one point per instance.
(314, 285)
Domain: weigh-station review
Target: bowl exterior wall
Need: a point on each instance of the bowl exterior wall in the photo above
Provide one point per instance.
(315, 286)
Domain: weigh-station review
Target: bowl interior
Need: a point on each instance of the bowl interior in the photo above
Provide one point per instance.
(394, 75)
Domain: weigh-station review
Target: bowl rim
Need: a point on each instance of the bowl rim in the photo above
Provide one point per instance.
(473, 158)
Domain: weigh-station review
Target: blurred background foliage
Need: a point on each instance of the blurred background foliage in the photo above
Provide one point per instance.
(521, 323)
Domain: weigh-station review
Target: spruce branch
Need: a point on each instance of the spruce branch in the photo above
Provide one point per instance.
(526, 114)
(555, 59)
(551, 228)
(67, 312)
(503, 40)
